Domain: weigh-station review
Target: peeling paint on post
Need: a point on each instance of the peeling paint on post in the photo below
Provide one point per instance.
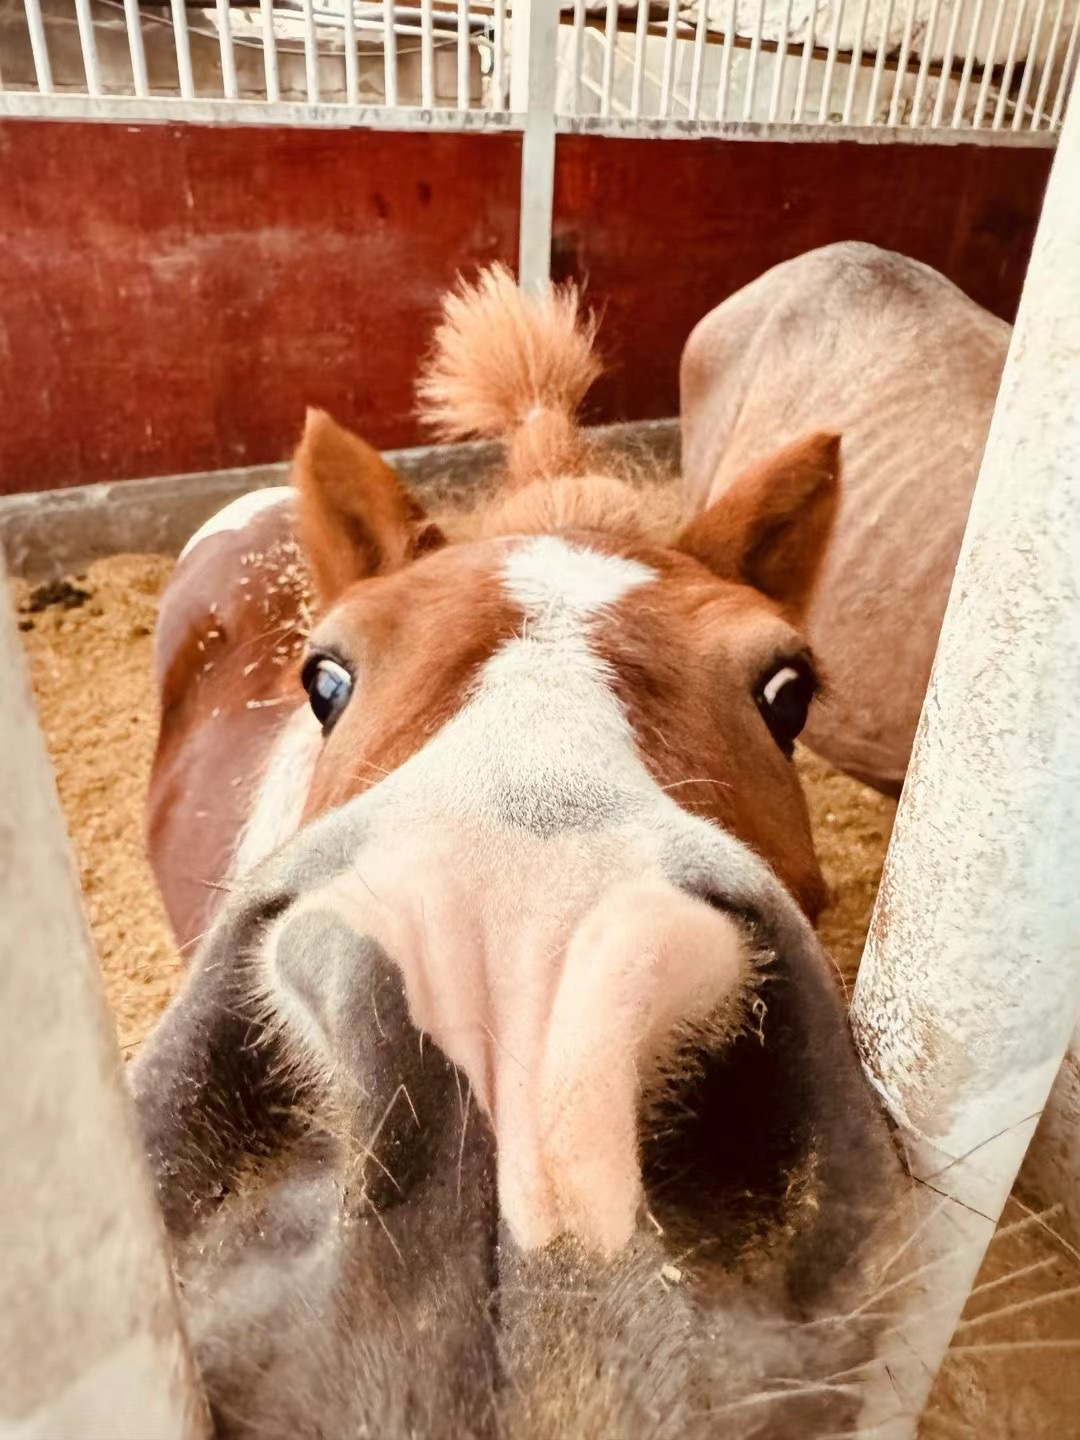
(970, 985)
(90, 1336)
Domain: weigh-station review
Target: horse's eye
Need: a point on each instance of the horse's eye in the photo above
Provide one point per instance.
(783, 696)
(328, 685)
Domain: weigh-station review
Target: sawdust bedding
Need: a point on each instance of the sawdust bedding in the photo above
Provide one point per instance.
(1012, 1372)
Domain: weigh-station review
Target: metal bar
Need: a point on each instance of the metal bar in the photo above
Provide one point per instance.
(1029, 66)
(830, 64)
(700, 37)
(924, 61)
(269, 48)
(100, 1348)
(39, 47)
(1010, 66)
(611, 34)
(225, 45)
(427, 55)
(577, 56)
(969, 61)
(183, 50)
(640, 33)
(1067, 76)
(1048, 66)
(352, 66)
(535, 50)
(902, 63)
(988, 66)
(463, 55)
(879, 64)
(946, 63)
(86, 44)
(969, 989)
(498, 63)
(855, 64)
(311, 53)
(136, 49)
(804, 63)
(389, 54)
(778, 63)
(755, 52)
(725, 63)
(668, 71)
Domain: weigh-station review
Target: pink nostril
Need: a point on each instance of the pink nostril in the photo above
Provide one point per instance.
(646, 961)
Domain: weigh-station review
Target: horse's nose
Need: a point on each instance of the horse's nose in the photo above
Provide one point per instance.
(566, 1007)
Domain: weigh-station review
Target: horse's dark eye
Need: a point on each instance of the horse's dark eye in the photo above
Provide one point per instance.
(328, 685)
(783, 696)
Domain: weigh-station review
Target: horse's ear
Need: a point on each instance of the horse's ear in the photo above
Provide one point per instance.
(355, 518)
(769, 529)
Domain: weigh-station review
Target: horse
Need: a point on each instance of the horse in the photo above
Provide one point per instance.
(897, 358)
(509, 1091)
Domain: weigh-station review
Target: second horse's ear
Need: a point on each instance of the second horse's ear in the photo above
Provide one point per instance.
(771, 527)
(355, 517)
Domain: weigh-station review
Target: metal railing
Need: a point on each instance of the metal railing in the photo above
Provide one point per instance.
(1003, 67)
(998, 65)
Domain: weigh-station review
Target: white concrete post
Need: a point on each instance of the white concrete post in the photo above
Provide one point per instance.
(90, 1337)
(534, 36)
(970, 984)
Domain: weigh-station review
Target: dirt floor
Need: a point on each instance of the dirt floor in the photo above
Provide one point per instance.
(1014, 1370)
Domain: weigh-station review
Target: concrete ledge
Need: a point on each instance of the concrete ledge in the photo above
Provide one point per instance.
(53, 532)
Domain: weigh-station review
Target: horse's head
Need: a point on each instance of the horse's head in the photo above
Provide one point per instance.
(511, 1094)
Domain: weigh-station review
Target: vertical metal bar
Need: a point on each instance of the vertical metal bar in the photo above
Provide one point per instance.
(183, 49)
(389, 54)
(269, 44)
(830, 64)
(40, 50)
(427, 54)
(1010, 66)
(534, 40)
(902, 63)
(88, 47)
(1067, 77)
(577, 56)
(700, 35)
(311, 53)
(778, 63)
(463, 54)
(136, 49)
(946, 64)
(640, 35)
(804, 63)
(725, 63)
(352, 66)
(99, 1347)
(1029, 66)
(855, 66)
(755, 52)
(225, 44)
(969, 61)
(611, 36)
(498, 65)
(988, 66)
(879, 64)
(957, 1034)
(924, 62)
(668, 71)
(1048, 66)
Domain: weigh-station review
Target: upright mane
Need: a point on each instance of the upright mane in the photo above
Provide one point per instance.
(514, 367)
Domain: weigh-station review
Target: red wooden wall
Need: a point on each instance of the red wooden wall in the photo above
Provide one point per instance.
(665, 230)
(172, 296)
